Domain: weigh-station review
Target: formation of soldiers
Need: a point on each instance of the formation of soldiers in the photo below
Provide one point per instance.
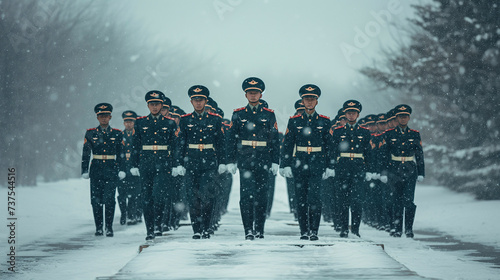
(168, 164)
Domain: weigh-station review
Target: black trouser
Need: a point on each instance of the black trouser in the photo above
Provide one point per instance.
(129, 191)
(154, 185)
(292, 202)
(227, 182)
(177, 203)
(170, 194)
(102, 193)
(327, 193)
(201, 191)
(270, 193)
(308, 187)
(403, 182)
(254, 187)
(350, 192)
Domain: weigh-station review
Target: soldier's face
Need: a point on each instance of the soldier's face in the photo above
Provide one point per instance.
(129, 125)
(382, 126)
(199, 104)
(164, 111)
(372, 127)
(351, 115)
(104, 119)
(253, 96)
(403, 119)
(343, 121)
(310, 102)
(155, 107)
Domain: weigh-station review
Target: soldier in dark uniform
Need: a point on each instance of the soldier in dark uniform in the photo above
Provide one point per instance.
(228, 176)
(105, 145)
(309, 135)
(351, 148)
(253, 147)
(201, 156)
(332, 182)
(272, 176)
(155, 139)
(129, 189)
(405, 166)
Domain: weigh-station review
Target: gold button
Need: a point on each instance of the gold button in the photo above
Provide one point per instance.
(103, 161)
(104, 150)
(155, 142)
(403, 143)
(154, 152)
(254, 135)
(104, 142)
(352, 140)
(253, 125)
(201, 140)
(403, 152)
(155, 132)
(155, 120)
(201, 130)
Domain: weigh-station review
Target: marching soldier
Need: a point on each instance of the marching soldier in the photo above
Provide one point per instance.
(155, 139)
(272, 176)
(351, 148)
(405, 166)
(253, 147)
(129, 189)
(201, 155)
(308, 134)
(105, 145)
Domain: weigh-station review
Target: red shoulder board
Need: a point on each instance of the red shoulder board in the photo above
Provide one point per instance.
(186, 115)
(365, 128)
(414, 130)
(169, 118)
(323, 116)
(239, 109)
(296, 116)
(214, 114)
(267, 109)
(91, 129)
(141, 117)
(340, 127)
(116, 129)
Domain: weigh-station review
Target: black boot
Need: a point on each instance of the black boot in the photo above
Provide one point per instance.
(409, 219)
(122, 203)
(98, 217)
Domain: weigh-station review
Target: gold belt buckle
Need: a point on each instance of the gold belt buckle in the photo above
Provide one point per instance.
(254, 144)
(200, 146)
(309, 150)
(127, 155)
(351, 155)
(155, 147)
(403, 159)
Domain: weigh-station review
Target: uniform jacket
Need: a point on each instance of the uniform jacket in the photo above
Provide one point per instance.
(400, 142)
(253, 126)
(196, 130)
(102, 142)
(303, 131)
(128, 151)
(150, 131)
(356, 140)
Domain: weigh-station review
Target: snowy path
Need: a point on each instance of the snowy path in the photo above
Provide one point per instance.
(55, 241)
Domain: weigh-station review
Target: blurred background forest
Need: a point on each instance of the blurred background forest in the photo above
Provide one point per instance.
(60, 58)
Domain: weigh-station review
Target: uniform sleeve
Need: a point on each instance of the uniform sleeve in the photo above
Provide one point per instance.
(181, 142)
(87, 150)
(174, 143)
(327, 140)
(384, 152)
(419, 156)
(367, 152)
(232, 139)
(120, 156)
(275, 141)
(220, 146)
(334, 148)
(288, 145)
(137, 144)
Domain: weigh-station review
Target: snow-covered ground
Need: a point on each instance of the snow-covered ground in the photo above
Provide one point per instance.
(54, 240)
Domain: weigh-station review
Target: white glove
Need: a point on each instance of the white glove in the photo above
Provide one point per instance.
(222, 168)
(121, 175)
(287, 172)
(420, 178)
(384, 179)
(274, 168)
(376, 176)
(134, 171)
(330, 173)
(281, 172)
(368, 176)
(85, 175)
(175, 172)
(181, 170)
(232, 167)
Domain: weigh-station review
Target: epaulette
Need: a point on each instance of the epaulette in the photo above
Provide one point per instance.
(214, 114)
(238, 109)
(325, 117)
(267, 109)
(91, 129)
(340, 127)
(364, 128)
(169, 118)
(414, 130)
(116, 129)
(296, 116)
(141, 117)
(186, 115)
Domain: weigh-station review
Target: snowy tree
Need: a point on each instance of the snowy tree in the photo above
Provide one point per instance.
(450, 69)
